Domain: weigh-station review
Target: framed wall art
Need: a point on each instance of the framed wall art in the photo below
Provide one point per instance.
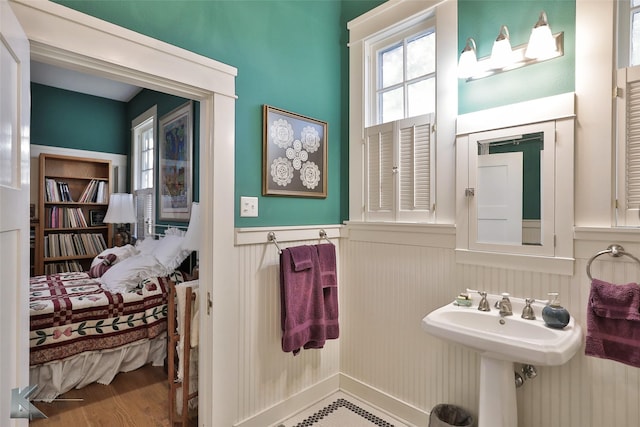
(175, 164)
(294, 154)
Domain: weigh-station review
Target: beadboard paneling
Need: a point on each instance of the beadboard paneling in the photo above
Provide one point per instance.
(388, 288)
(385, 291)
(267, 376)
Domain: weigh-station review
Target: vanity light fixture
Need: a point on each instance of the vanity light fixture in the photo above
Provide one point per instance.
(501, 53)
(468, 60)
(542, 46)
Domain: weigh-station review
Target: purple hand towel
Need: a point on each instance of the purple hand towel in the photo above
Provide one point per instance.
(302, 257)
(329, 282)
(327, 258)
(613, 322)
(302, 301)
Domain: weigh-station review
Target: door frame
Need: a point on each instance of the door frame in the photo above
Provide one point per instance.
(70, 39)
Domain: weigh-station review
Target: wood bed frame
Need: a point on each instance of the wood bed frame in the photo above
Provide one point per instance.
(174, 359)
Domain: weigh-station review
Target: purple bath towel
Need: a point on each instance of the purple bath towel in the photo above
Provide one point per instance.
(302, 300)
(613, 322)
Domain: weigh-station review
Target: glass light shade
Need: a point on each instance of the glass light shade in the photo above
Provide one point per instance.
(541, 45)
(193, 235)
(501, 53)
(120, 209)
(468, 63)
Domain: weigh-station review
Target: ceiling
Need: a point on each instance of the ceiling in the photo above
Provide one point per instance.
(75, 81)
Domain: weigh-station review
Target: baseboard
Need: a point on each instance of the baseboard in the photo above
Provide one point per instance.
(299, 402)
(294, 404)
(393, 406)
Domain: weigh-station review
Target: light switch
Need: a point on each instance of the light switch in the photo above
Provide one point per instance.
(248, 206)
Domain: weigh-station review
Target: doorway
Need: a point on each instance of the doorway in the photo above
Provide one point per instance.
(92, 46)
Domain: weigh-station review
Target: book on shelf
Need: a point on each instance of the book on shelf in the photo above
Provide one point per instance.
(94, 192)
(73, 244)
(63, 267)
(59, 217)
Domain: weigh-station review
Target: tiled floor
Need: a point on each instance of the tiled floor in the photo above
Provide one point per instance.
(341, 410)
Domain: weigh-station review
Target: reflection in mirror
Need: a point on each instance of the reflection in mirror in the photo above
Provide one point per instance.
(509, 195)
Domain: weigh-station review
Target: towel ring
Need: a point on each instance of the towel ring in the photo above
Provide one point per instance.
(615, 251)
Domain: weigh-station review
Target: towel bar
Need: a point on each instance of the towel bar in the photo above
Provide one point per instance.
(272, 238)
(615, 251)
(323, 235)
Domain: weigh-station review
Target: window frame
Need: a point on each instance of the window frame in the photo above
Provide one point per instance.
(139, 125)
(389, 18)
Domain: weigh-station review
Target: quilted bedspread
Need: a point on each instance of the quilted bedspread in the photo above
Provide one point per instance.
(70, 313)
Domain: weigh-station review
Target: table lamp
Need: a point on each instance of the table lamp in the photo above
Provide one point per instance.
(120, 212)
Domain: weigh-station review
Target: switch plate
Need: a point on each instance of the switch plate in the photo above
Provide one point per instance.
(248, 206)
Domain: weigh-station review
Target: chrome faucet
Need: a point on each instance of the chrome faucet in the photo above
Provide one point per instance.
(527, 311)
(504, 305)
(483, 305)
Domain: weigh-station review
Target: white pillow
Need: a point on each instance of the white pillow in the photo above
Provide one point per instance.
(170, 253)
(147, 245)
(172, 231)
(121, 253)
(127, 274)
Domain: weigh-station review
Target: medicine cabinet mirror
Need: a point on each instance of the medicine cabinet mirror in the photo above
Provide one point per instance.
(515, 195)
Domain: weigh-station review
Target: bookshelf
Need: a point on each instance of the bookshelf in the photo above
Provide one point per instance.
(72, 200)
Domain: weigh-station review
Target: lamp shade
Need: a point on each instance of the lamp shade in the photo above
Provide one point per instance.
(468, 62)
(192, 237)
(501, 53)
(121, 209)
(541, 45)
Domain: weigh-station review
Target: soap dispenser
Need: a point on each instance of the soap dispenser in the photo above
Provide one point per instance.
(554, 315)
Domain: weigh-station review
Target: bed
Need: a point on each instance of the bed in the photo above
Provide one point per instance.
(86, 327)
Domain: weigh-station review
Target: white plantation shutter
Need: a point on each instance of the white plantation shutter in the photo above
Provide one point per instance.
(415, 180)
(379, 173)
(629, 147)
(399, 177)
(144, 212)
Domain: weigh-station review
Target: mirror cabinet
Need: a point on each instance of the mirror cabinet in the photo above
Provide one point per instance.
(514, 189)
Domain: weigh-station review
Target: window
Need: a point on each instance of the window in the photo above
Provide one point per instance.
(399, 154)
(628, 116)
(143, 176)
(634, 22)
(404, 73)
(402, 66)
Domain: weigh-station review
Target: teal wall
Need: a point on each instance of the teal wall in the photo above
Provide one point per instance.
(289, 54)
(293, 55)
(72, 120)
(481, 20)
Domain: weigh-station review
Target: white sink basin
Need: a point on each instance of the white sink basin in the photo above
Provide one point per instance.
(509, 338)
(502, 341)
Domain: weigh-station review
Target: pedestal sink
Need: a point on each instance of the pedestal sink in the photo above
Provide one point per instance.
(502, 341)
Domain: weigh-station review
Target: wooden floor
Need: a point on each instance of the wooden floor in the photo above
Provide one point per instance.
(133, 399)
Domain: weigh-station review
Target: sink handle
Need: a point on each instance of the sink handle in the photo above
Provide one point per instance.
(483, 305)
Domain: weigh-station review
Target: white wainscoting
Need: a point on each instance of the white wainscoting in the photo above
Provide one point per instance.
(272, 384)
(385, 358)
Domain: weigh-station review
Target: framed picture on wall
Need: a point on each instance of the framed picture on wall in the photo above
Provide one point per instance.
(175, 164)
(96, 218)
(294, 154)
